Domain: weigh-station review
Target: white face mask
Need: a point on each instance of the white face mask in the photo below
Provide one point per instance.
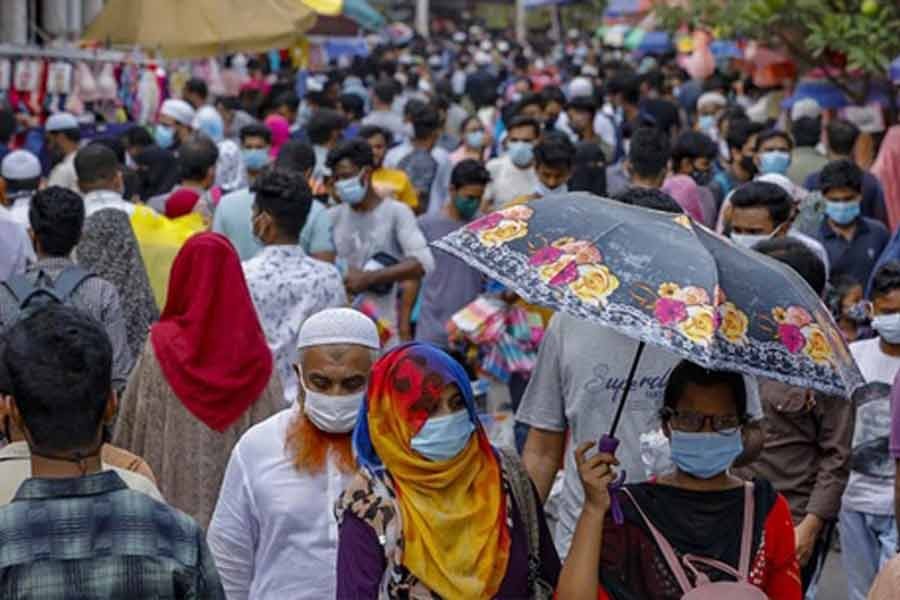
(332, 414)
(748, 240)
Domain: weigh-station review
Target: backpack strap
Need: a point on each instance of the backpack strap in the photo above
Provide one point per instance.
(70, 280)
(664, 546)
(20, 287)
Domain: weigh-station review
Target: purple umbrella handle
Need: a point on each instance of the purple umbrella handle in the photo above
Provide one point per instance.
(609, 444)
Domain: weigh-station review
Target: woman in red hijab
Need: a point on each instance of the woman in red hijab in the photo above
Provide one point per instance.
(204, 378)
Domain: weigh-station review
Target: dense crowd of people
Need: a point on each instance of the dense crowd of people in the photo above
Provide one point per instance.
(226, 369)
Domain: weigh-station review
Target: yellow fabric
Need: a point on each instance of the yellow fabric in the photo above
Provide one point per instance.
(201, 28)
(453, 514)
(160, 239)
(325, 7)
(396, 184)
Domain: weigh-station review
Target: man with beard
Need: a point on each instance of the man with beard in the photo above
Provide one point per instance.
(63, 138)
(274, 534)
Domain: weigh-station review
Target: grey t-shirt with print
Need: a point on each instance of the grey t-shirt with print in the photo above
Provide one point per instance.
(576, 385)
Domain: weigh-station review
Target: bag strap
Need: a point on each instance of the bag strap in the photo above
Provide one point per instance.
(664, 546)
(69, 280)
(747, 535)
(19, 287)
(520, 486)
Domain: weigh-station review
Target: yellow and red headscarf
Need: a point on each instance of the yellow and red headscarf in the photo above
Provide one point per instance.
(455, 537)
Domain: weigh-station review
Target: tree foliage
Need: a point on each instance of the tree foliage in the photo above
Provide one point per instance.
(851, 36)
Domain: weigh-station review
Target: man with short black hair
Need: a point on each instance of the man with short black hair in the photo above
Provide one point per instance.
(63, 136)
(392, 183)
(739, 167)
(195, 92)
(554, 158)
(286, 285)
(197, 159)
(694, 154)
(136, 139)
(841, 137)
(452, 284)
(56, 217)
(647, 163)
(773, 152)
(513, 174)
(854, 242)
(377, 238)
(353, 108)
(382, 113)
(806, 127)
(324, 131)
(59, 364)
(427, 165)
(761, 211)
(233, 215)
(100, 180)
(256, 140)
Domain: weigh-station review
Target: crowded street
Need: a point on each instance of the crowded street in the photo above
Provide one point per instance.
(461, 299)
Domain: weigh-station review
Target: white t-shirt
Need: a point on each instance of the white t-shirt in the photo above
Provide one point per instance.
(865, 493)
(508, 182)
(580, 373)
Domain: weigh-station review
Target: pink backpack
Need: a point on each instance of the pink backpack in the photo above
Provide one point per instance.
(703, 588)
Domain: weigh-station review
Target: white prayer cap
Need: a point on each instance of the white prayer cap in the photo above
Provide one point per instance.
(20, 164)
(581, 86)
(713, 98)
(179, 110)
(793, 190)
(339, 326)
(807, 107)
(482, 58)
(60, 122)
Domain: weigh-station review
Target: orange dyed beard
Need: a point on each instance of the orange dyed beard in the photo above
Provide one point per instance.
(310, 447)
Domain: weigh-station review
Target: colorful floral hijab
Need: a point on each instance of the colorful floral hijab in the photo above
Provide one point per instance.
(455, 537)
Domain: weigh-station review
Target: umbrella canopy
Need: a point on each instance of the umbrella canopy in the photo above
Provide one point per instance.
(624, 8)
(723, 49)
(656, 42)
(662, 279)
(201, 28)
(829, 95)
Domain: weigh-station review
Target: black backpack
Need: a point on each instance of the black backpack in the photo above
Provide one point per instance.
(45, 290)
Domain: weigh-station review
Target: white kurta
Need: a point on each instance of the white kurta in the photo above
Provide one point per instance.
(273, 534)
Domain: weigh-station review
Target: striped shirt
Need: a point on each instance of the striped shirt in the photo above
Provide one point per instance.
(91, 538)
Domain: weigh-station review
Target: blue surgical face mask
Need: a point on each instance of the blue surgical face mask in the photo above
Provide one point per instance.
(521, 153)
(255, 158)
(705, 455)
(542, 190)
(888, 327)
(475, 139)
(776, 161)
(164, 135)
(350, 191)
(842, 213)
(707, 122)
(442, 438)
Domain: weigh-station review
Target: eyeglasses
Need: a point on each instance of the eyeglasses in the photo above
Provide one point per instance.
(693, 421)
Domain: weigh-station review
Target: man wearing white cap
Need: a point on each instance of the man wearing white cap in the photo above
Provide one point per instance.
(806, 127)
(21, 173)
(175, 124)
(273, 534)
(63, 139)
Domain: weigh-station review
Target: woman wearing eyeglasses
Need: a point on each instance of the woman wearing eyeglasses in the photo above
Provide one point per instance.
(675, 526)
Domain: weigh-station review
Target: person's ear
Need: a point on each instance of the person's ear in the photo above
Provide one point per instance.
(12, 411)
(667, 431)
(111, 409)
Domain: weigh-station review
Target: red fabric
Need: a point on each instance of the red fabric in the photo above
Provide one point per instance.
(774, 569)
(181, 202)
(209, 343)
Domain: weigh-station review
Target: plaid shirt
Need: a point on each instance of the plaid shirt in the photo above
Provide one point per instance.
(91, 538)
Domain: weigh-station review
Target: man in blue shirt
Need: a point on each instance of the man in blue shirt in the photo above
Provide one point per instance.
(74, 530)
(234, 213)
(841, 136)
(853, 242)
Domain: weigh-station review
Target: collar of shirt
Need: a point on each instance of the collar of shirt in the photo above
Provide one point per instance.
(101, 199)
(828, 233)
(89, 485)
(52, 264)
(279, 252)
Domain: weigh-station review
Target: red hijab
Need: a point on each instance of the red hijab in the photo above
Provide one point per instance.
(209, 343)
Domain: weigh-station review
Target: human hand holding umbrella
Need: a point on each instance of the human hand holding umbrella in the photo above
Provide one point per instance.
(665, 280)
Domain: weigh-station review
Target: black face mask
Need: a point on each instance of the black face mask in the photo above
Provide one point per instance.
(701, 178)
(748, 165)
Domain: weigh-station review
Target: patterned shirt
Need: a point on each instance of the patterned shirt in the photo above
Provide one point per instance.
(287, 287)
(91, 538)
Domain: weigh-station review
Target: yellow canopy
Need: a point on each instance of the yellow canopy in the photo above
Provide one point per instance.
(200, 28)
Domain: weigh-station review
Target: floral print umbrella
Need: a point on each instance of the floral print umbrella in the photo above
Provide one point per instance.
(665, 280)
